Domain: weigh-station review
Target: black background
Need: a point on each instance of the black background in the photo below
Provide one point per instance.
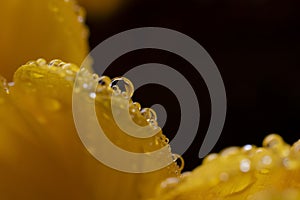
(256, 46)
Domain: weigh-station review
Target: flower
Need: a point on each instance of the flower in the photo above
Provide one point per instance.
(271, 172)
(41, 155)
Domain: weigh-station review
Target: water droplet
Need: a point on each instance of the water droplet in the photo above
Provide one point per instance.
(266, 160)
(80, 12)
(210, 157)
(185, 175)
(61, 64)
(95, 77)
(153, 123)
(104, 81)
(245, 165)
(247, 147)
(135, 107)
(93, 95)
(32, 63)
(290, 163)
(41, 62)
(273, 141)
(124, 84)
(70, 66)
(230, 151)
(296, 147)
(179, 160)
(149, 114)
(116, 90)
(169, 182)
(166, 140)
(56, 63)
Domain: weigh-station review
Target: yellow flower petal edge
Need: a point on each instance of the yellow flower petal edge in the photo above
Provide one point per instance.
(271, 172)
(48, 28)
(41, 155)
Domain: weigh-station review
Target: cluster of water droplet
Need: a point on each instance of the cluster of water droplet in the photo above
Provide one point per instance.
(123, 88)
(97, 88)
(275, 154)
(65, 70)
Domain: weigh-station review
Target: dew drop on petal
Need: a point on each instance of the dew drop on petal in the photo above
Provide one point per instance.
(245, 165)
(296, 147)
(247, 147)
(210, 157)
(230, 151)
(41, 62)
(123, 86)
(179, 160)
(135, 107)
(56, 63)
(267, 160)
(149, 114)
(93, 95)
(32, 63)
(273, 141)
(169, 182)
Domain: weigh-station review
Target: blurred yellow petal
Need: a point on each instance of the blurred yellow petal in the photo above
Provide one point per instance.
(48, 28)
(271, 172)
(41, 155)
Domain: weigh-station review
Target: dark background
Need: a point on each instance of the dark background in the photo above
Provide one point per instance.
(256, 46)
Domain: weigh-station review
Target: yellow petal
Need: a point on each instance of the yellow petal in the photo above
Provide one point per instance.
(269, 172)
(41, 155)
(49, 28)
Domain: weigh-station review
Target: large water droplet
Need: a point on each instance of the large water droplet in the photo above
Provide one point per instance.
(273, 141)
(122, 85)
(179, 161)
(41, 62)
(296, 148)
